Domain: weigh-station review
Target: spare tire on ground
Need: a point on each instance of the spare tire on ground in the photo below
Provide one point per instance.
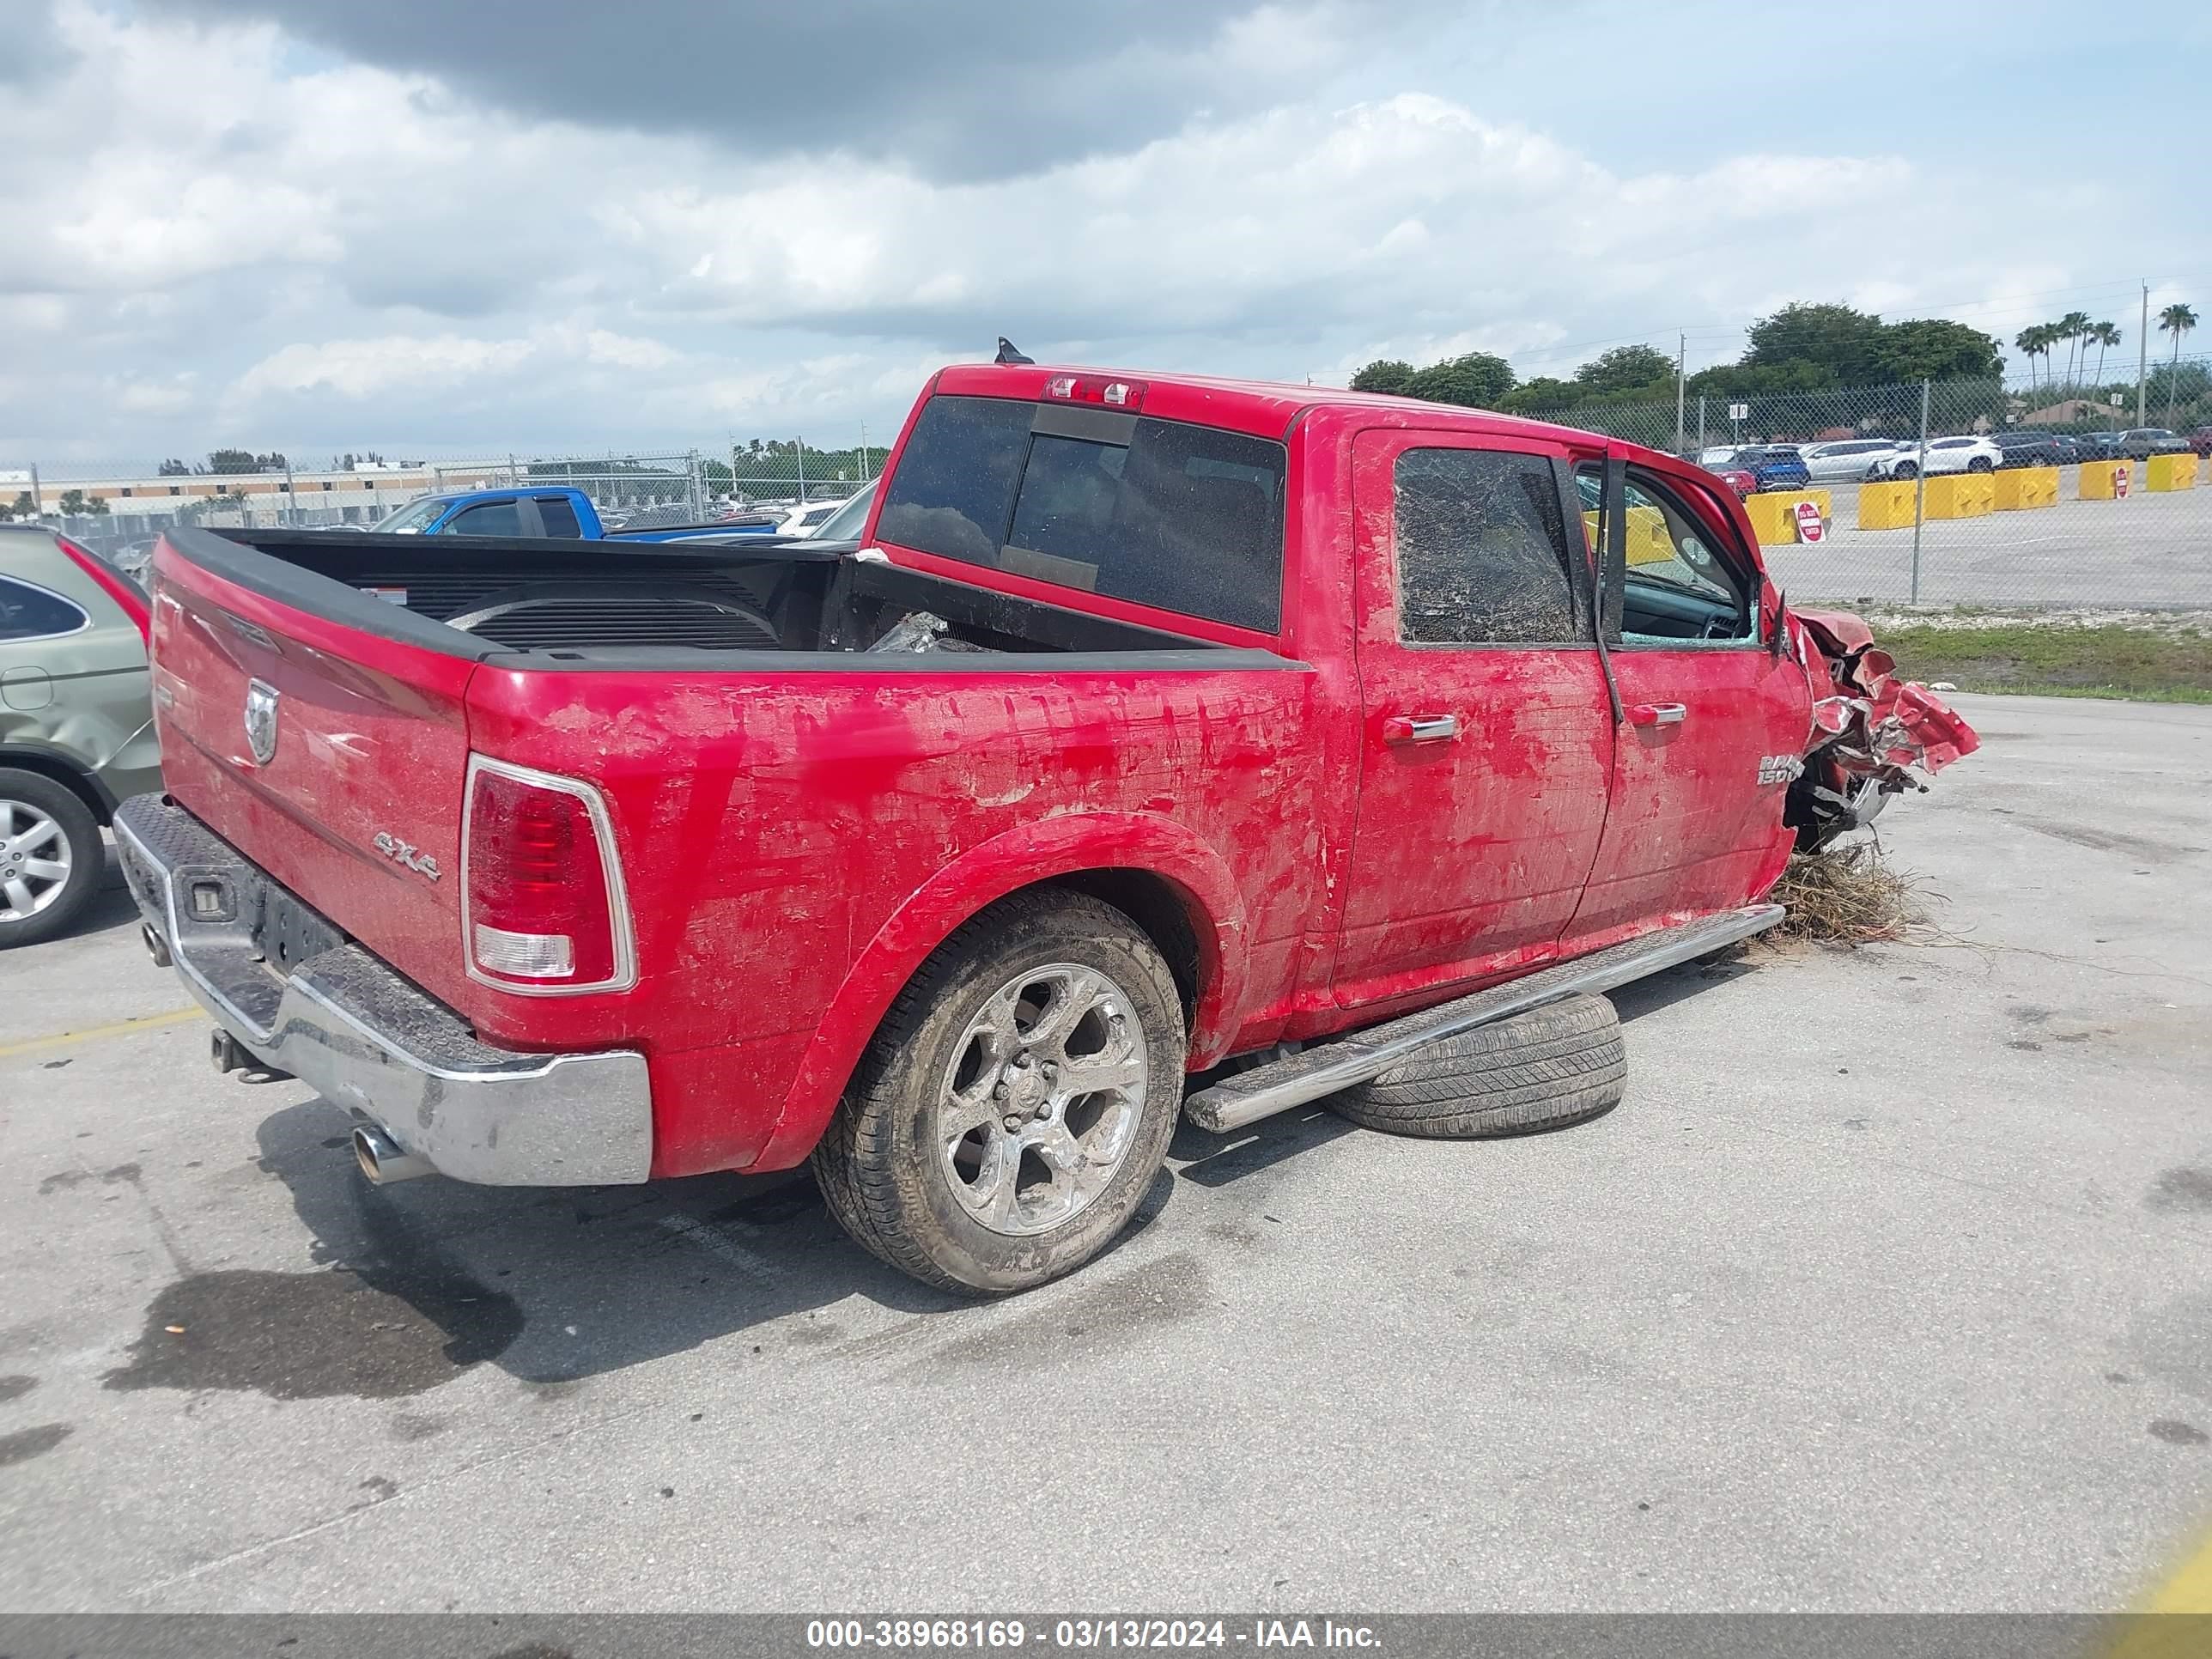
(1560, 1064)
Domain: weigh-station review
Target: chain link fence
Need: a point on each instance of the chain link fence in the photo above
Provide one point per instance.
(1967, 496)
(118, 507)
(1974, 494)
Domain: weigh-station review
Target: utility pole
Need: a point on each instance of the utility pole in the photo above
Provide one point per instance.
(1920, 486)
(1681, 361)
(2142, 356)
(38, 497)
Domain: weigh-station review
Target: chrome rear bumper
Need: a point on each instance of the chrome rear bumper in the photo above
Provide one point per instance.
(342, 1021)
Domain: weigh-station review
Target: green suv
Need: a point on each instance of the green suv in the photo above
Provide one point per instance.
(76, 723)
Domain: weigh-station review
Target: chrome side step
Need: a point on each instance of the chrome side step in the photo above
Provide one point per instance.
(1298, 1079)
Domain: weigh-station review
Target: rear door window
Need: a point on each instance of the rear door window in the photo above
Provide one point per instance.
(558, 517)
(32, 613)
(1482, 550)
(1183, 517)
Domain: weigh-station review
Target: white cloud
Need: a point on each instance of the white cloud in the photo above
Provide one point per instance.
(205, 234)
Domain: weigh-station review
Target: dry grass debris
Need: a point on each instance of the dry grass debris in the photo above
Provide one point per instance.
(1849, 896)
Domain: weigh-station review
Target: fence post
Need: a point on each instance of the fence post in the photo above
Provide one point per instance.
(692, 467)
(1920, 486)
(291, 498)
(1701, 423)
(802, 472)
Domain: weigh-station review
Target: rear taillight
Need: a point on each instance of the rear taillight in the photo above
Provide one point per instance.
(1096, 389)
(113, 583)
(542, 902)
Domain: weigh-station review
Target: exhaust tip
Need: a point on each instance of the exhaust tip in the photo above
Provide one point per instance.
(383, 1160)
(156, 947)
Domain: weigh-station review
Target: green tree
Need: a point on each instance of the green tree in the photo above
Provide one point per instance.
(2072, 330)
(21, 507)
(2176, 319)
(2102, 335)
(2031, 343)
(1629, 368)
(1383, 375)
(75, 504)
(1935, 349)
(1542, 396)
(174, 469)
(1845, 344)
(1477, 381)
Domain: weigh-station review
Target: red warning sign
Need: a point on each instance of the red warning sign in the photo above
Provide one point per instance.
(2123, 475)
(1810, 526)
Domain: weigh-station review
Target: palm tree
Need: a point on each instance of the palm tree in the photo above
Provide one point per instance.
(2105, 335)
(2072, 328)
(2031, 343)
(2176, 319)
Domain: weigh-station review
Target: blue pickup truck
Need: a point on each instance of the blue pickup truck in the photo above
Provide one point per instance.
(541, 510)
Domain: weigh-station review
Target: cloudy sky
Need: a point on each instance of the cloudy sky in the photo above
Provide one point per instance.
(329, 224)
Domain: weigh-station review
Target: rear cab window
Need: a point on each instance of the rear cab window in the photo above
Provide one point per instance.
(1178, 517)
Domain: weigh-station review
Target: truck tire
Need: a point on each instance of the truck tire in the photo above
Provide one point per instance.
(968, 1150)
(51, 860)
(1560, 1064)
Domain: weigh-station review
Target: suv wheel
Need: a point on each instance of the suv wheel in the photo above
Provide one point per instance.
(1016, 1104)
(51, 857)
(1980, 463)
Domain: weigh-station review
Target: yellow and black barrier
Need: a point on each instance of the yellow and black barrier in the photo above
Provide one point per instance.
(2104, 481)
(2170, 472)
(2020, 487)
(1774, 512)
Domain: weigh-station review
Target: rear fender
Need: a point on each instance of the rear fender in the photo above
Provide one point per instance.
(1021, 856)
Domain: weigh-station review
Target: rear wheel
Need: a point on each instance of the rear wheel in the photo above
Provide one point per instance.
(1560, 1064)
(1017, 1102)
(1906, 470)
(1981, 463)
(51, 857)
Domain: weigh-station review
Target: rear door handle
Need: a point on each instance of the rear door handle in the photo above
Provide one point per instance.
(1657, 714)
(1420, 728)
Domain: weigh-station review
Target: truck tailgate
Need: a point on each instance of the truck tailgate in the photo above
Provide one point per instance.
(354, 796)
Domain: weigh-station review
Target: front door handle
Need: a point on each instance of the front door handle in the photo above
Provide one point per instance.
(1657, 714)
(1420, 728)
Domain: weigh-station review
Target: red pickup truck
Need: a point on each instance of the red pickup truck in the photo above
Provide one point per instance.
(1156, 726)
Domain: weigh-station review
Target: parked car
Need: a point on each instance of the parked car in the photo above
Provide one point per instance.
(76, 725)
(1775, 466)
(2140, 443)
(1966, 454)
(1741, 479)
(2200, 442)
(850, 517)
(942, 859)
(560, 514)
(2099, 446)
(808, 518)
(1848, 460)
(2035, 449)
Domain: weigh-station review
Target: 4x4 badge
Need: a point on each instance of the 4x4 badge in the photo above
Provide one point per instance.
(403, 852)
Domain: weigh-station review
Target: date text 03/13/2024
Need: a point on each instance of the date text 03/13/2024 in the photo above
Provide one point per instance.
(1077, 1634)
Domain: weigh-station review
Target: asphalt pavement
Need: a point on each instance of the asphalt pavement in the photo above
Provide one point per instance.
(1888, 1286)
(2151, 551)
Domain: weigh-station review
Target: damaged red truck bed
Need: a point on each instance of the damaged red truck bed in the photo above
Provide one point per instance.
(1155, 722)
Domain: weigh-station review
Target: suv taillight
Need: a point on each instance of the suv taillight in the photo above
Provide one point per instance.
(542, 902)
